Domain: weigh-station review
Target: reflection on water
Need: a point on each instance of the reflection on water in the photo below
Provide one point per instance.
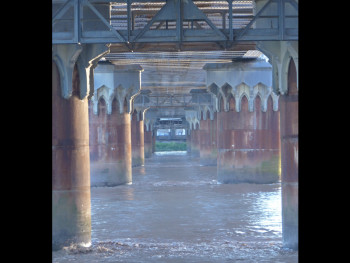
(175, 211)
(172, 153)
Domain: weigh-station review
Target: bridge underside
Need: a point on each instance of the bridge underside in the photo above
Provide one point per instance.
(120, 67)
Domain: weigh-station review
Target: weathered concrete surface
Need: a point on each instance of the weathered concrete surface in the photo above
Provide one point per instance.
(71, 214)
(208, 146)
(248, 144)
(110, 146)
(148, 143)
(137, 141)
(289, 156)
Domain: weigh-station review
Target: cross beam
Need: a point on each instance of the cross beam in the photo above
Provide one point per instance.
(173, 100)
(175, 21)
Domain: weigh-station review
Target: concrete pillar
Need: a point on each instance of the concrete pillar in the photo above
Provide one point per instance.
(110, 142)
(289, 147)
(110, 125)
(248, 149)
(193, 119)
(284, 58)
(150, 117)
(195, 140)
(208, 145)
(188, 140)
(72, 70)
(154, 136)
(247, 125)
(148, 131)
(137, 139)
(148, 142)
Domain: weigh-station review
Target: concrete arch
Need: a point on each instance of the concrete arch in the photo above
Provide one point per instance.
(102, 97)
(66, 89)
(293, 50)
(204, 112)
(243, 90)
(226, 90)
(231, 107)
(263, 103)
(220, 103)
(214, 89)
(284, 70)
(263, 92)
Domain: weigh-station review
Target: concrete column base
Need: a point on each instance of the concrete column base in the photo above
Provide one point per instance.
(109, 174)
(252, 166)
(71, 220)
(290, 215)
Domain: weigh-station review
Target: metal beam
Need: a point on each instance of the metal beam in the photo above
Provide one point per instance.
(177, 11)
(115, 32)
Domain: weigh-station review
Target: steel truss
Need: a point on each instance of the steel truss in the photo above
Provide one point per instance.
(172, 100)
(172, 21)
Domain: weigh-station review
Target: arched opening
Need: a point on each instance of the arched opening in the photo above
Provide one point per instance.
(115, 108)
(221, 104)
(76, 82)
(125, 105)
(232, 103)
(257, 103)
(269, 104)
(292, 78)
(244, 104)
(102, 107)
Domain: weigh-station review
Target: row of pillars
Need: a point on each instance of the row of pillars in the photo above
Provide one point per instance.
(105, 136)
(251, 133)
(244, 145)
(97, 135)
(118, 142)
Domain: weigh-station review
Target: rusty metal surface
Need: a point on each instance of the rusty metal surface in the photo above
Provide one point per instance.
(137, 142)
(71, 219)
(195, 142)
(148, 143)
(248, 145)
(207, 141)
(289, 160)
(110, 146)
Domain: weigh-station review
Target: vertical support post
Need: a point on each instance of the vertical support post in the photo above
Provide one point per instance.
(230, 20)
(281, 19)
(289, 162)
(179, 21)
(77, 28)
(128, 7)
(71, 209)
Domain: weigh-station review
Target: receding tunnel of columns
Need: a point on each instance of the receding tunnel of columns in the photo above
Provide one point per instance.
(239, 135)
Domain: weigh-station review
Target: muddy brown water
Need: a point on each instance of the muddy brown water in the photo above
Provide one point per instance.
(175, 211)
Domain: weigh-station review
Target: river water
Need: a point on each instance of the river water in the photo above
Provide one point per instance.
(175, 211)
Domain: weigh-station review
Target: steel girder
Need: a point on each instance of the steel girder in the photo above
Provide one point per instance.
(173, 100)
(175, 21)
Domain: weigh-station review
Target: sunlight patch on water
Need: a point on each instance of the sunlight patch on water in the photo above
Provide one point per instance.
(170, 153)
